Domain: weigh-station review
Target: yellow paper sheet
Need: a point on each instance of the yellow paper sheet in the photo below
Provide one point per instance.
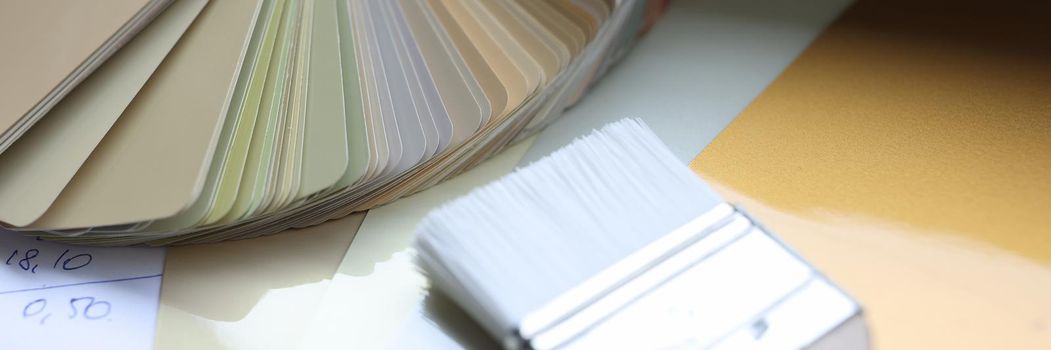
(907, 154)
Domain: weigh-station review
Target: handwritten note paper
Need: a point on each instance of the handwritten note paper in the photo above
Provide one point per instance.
(60, 296)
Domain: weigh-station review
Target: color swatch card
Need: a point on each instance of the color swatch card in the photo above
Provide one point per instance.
(52, 45)
(272, 114)
(77, 123)
(58, 296)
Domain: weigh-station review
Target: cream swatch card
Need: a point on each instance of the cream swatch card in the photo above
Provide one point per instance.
(79, 37)
(79, 122)
(378, 276)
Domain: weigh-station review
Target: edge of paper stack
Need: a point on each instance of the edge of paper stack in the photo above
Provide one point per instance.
(174, 122)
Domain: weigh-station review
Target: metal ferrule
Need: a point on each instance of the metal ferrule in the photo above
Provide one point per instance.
(719, 281)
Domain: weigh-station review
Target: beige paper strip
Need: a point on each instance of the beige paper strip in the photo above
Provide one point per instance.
(152, 163)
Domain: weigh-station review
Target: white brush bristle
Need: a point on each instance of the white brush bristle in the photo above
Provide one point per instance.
(507, 248)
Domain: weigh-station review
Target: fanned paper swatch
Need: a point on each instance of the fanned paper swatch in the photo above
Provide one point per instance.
(273, 114)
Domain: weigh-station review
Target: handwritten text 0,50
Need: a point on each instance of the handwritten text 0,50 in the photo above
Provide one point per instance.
(87, 308)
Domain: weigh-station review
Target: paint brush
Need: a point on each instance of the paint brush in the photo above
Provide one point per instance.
(612, 243)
